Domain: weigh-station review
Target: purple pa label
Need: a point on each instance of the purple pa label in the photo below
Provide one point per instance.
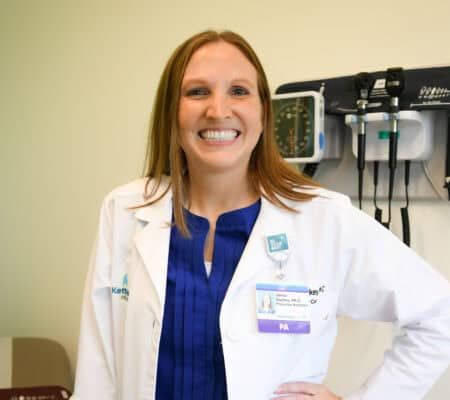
(279, 326)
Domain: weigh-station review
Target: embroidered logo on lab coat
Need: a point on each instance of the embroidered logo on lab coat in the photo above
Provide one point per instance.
(122, 291)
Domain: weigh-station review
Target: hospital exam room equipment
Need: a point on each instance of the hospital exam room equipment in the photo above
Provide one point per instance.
(391, 129)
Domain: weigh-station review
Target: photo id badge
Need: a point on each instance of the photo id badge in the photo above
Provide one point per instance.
(282, 308)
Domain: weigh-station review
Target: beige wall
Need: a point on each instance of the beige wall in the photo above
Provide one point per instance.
(77, 80)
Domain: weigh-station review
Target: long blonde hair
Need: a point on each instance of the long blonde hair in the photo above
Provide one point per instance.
(272, 176)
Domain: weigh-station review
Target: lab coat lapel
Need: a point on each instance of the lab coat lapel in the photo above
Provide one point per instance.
(152, 242)
(271, 220)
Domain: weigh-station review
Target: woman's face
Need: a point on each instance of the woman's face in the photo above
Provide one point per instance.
(220, 114)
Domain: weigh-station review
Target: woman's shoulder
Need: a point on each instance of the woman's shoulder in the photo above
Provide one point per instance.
(327, 194)
(331, 208)
(132, 188)
(321, 198)
(328, 205)
(121, 206)
(136, 191)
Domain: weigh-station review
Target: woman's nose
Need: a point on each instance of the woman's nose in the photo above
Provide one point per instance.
(218, 107)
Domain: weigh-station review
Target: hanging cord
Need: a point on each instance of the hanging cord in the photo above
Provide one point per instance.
(447, 158)
(431, 182)
(404, 210)
(378, 211)
(360, 186)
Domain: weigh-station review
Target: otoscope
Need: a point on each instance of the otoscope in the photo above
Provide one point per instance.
(395, 83)
(363, 83)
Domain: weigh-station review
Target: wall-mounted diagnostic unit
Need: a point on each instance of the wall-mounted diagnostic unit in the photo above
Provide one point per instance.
(397, 120)
(299, 126)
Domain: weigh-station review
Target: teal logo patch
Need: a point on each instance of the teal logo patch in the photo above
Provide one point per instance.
(277, 243)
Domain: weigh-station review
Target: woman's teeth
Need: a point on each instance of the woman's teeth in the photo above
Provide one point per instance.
(220, 136)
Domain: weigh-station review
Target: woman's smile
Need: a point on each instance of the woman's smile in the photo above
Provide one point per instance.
(220, 136)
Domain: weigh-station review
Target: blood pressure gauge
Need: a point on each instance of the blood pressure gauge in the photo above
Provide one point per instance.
(299, 121)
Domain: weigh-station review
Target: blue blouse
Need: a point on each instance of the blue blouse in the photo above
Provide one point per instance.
(191, 363)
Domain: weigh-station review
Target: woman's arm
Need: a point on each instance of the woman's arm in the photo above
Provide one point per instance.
(386, 281)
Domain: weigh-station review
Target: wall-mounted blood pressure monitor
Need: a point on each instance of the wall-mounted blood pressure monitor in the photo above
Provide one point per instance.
(299, 126)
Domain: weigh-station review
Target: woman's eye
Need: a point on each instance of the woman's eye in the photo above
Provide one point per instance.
(239, 91)
(196, 92)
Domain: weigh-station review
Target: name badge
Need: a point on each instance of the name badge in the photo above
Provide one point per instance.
(282, 308)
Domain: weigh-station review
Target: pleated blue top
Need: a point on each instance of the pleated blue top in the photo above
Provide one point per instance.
(191, 363)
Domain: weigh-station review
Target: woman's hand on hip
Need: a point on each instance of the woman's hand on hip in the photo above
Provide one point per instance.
(304, 391)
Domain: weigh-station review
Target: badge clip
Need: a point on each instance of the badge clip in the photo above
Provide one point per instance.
(280, 274)
(279, 251)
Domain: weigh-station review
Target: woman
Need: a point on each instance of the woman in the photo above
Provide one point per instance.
(170, 308)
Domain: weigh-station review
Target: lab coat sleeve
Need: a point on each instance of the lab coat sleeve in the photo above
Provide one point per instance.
(387, 281)
(95, 374)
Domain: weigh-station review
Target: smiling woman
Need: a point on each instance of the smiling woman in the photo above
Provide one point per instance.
(231, 261)
(217, 72)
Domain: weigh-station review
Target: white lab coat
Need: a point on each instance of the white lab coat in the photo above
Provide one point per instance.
(366, 271)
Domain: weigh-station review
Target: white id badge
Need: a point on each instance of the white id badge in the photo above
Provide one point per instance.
(282, 308)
